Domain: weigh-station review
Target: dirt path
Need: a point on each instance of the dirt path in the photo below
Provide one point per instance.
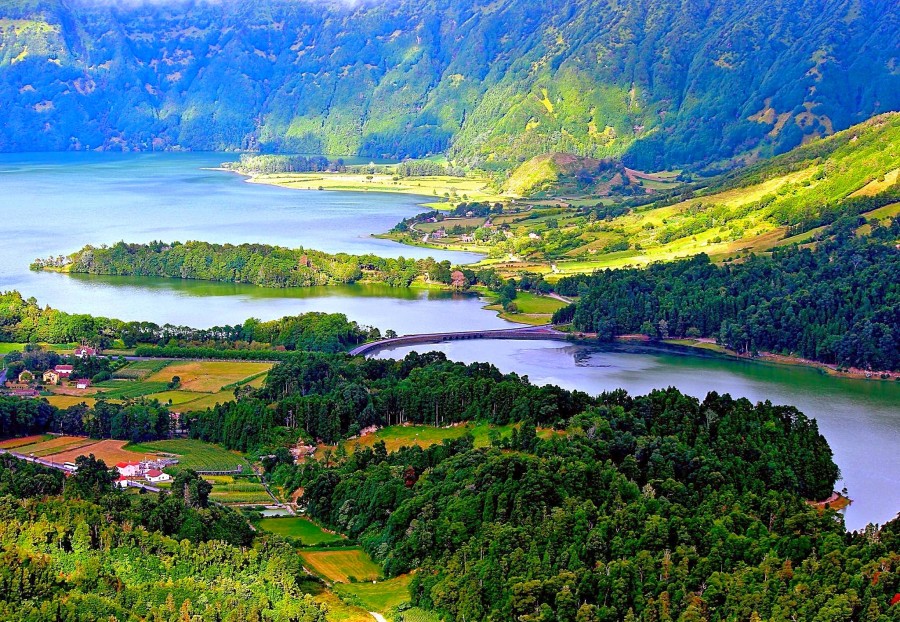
(378, 616)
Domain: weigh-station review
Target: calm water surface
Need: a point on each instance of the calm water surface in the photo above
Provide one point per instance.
(53, 204)
(860, 419)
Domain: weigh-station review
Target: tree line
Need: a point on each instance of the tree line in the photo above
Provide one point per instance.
(25, 321)
(835, 302)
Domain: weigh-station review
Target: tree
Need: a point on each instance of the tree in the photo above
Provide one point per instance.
(92, 479)
(191, 489)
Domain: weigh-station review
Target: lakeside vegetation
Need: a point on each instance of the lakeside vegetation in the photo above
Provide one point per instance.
(835, 303)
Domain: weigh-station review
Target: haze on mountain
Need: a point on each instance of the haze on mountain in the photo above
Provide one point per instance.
(661, 83)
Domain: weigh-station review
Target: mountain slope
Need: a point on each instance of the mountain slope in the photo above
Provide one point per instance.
(491, 82)
(779, 201)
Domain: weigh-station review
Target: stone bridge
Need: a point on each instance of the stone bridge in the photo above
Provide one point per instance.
(530, 332)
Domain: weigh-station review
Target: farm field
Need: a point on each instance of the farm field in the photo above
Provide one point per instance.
(381, 596)
(64, 401)
(208, 376)
(309, 533)
(45, 447)
(398, 436)
(338, 610)
(339, 565)
(230, 489)
(193, 454)
(110, 451)
(67, 448)
(129, 389)
(14, 443)
(140, 370)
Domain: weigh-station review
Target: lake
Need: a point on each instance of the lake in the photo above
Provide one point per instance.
(860, 419)
(56, 203)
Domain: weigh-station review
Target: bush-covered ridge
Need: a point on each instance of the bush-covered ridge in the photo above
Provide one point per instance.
(490, 82)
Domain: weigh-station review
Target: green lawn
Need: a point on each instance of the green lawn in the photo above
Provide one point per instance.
(193, 454)
(309, 533)
(381, 596)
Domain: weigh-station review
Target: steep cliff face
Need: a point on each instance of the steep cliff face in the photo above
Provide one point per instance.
(660, 82)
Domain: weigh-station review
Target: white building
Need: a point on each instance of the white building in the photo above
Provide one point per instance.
(128, 469)
(157, 476)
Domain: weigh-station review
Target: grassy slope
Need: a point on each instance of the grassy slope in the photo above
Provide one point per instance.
(747, 210)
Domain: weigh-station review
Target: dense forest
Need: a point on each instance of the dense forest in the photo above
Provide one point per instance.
(660, 507)
(93, 552)
(838, 302)
(258, 264)
(25, 321)
(490, 82)
(580, 508)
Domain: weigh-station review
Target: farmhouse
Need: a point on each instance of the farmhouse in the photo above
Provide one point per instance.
(51, 377)
(122, 482)
(84, 383)
(26, 377)
(83, 352)
(129, 469)
(64, 371)
(157, 476)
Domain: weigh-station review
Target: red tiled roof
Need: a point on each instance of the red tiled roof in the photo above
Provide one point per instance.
(122, 465)
(153, 473)
(63, 368)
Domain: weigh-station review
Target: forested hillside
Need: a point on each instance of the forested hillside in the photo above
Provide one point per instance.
(492, 83)
(837, 302)
(96, 553)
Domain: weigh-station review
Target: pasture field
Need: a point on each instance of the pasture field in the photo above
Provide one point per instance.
(208, 376)
(381, 596)
(64, 401)
(309, 533)
(193, 454)
(204, 401)
(398, 436)
(340, 565)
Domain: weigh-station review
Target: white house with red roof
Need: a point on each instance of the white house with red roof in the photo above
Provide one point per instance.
(85, 352)
(121, 482)
(157, 476)
(128, 469)
(83, 383)
(64, 371)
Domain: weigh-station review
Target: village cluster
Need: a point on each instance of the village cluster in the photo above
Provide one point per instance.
(149, 471)
(27, 384)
